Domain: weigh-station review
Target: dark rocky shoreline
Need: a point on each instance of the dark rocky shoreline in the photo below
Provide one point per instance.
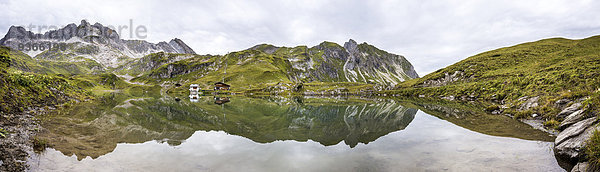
(15, 148)
(21, 140)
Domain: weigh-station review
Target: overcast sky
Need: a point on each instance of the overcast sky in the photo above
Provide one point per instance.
(430, 34)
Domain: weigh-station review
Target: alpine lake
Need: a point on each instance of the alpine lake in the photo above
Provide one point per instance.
(119, 132)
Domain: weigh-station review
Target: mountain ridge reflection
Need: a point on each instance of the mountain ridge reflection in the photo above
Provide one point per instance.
(95, 128)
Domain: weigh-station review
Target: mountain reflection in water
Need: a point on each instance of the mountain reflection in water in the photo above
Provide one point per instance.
(94, 129)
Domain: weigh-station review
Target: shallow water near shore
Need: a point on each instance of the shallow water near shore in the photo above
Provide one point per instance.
(286, 134)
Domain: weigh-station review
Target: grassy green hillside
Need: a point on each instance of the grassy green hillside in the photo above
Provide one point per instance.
(23, 62)
(23, 90)
(27, 83)
(264, 66)
(552, 69)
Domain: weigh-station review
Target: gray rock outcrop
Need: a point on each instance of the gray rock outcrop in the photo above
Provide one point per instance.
(574, 130)
(569, 110)
(577, 128)
(562, 103)
(572, 118)
(530, 103)
(181, 47)
(570, 142)
(366, 63)
(447, 79)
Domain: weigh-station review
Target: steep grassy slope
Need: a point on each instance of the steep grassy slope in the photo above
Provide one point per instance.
(77, 65)
(135, 67)
(27, 83)
(22, 90)
(552, 69)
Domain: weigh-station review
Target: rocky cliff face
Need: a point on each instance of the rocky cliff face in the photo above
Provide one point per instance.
(377, 65)
(96, 42)
(352, 63)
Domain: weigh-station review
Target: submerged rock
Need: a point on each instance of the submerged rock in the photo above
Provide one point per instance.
(539, 125)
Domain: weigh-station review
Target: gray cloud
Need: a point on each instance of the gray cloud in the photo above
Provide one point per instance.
(431, 34)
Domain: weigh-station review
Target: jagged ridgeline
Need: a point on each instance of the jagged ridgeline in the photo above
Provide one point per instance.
(267, 64)
(95, 42)
(93, 49)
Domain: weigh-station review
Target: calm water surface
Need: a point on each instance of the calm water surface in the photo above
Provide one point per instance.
(120, 133)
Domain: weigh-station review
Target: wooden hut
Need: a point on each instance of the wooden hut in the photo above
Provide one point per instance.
(221, 86)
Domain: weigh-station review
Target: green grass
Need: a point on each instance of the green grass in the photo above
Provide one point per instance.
(592, 149)
(20, 90)
(551, 124)
(39, 144)
(245, 70)
(352, 87)
(135, 67)
(24, 63)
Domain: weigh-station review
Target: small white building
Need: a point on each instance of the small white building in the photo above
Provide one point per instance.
(194, 88)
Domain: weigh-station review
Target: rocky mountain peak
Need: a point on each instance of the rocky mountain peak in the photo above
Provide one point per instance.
(96, 42)
(97, 25)
(350, 45)
(180, 46)
(351, 41)
(267, 48)
(84, 23)
(16, 32)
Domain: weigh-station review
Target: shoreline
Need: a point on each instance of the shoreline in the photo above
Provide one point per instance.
(17, 145)
(21, 141)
